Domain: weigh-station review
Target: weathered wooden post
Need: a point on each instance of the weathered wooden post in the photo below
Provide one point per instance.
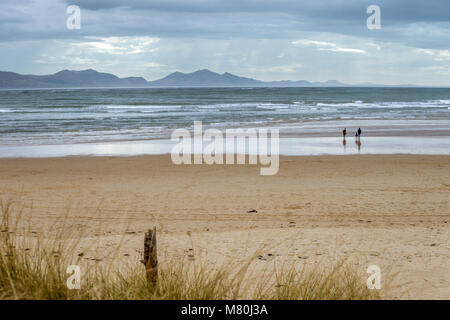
(151, 257)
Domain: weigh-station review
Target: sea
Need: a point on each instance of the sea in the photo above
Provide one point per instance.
(137, 121)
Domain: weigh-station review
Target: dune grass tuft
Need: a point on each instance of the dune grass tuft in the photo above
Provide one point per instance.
(34, 267)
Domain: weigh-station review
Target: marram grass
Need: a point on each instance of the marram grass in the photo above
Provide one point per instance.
(35, 268)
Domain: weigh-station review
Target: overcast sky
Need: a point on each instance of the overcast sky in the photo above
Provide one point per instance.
(263, 39)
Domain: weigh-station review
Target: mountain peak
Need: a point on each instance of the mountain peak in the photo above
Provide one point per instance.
(88, 78)
(204, 78)
(205, 71)
(333, 82)
(67, 71)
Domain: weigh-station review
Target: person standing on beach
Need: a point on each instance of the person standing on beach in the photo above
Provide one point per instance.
(359, 133)
(344, 133)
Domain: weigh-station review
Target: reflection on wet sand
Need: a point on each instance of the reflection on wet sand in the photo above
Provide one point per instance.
(358, 143)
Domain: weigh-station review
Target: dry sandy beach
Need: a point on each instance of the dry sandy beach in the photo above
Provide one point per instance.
(388, 210)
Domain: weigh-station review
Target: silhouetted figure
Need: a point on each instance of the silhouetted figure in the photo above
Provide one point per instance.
(344, 133)
(359, 133)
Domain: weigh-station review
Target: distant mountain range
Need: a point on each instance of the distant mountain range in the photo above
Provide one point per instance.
(68, 79)
(202, 78)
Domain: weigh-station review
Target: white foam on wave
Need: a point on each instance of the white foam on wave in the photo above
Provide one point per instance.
(273, 106)
(209, 107)
(236, 106)
(343, 104)
(387, 105)
(136, 107)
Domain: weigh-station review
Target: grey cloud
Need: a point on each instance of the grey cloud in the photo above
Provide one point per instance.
(401, 10)
(402, 20)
